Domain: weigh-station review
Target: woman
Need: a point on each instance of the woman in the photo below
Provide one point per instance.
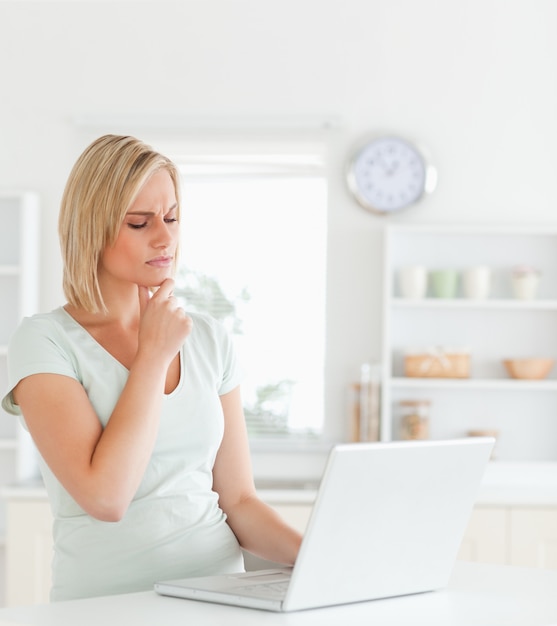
(134, 405)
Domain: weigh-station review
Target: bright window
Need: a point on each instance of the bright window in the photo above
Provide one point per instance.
(253, 254)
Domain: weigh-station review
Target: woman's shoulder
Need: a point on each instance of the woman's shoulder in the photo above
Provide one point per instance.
(209, 332)
(41, 333)
(42, 323)
(206, 323)
(213, 343)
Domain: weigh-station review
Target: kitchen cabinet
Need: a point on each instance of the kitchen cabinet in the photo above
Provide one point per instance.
(28, 551)
(533, 540)
(525, 536)
(500, 534)
(501, 326)
(487, 535)
(19, 286)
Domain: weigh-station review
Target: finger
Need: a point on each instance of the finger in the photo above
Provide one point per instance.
(173, 303)
(166, 288)
(144, 297)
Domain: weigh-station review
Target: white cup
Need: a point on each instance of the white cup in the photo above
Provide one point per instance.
(476, 282)
(412, 281)
(525, 284)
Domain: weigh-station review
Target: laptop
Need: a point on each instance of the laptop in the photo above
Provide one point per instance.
(387, 521)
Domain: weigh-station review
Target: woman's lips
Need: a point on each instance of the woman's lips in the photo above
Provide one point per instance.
(160, 261)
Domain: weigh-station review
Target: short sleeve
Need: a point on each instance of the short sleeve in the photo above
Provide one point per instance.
(36, 347)
(231, 372)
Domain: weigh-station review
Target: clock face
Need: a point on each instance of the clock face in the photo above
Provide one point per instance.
(388, 174)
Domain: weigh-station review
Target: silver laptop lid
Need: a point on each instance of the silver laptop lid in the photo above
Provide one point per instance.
(388, 520)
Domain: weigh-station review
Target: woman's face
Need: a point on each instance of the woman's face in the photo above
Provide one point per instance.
(144, 251)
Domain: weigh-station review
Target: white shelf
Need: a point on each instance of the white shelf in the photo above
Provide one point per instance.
(462, 303)
(480, 230)
(19, 288)
(523, 412)
(473, 384)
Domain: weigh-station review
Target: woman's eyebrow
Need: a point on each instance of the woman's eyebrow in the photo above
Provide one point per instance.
(172, 208)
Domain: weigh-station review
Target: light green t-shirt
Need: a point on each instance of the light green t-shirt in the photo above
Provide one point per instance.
(174, 526)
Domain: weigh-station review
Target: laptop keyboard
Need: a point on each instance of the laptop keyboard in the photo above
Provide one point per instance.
(275, 590)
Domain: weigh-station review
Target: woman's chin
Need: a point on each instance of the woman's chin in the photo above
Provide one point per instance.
(154, 285)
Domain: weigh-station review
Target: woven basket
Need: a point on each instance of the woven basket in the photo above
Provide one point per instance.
(437, 364)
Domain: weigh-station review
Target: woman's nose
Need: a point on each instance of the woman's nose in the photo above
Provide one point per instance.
(163, 236)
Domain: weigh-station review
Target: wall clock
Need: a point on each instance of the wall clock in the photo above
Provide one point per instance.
(389, 173)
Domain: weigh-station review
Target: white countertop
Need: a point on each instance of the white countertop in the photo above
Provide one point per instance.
(504, 484)
(477, 595)
(519, 484)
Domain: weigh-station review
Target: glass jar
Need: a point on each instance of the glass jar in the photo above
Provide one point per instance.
(414, 419)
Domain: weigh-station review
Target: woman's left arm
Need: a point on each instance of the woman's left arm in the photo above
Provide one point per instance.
(258, 528)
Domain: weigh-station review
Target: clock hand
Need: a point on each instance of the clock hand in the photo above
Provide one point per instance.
(394, 167)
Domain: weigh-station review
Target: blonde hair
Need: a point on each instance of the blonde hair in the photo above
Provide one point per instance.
(102, 185)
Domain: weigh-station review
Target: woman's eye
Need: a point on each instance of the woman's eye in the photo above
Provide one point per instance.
(137, 226)
(169, 220)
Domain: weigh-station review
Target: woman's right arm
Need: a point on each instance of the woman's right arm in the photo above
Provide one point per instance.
(102, 468)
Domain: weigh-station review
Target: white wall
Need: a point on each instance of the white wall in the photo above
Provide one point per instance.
(475, 81)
